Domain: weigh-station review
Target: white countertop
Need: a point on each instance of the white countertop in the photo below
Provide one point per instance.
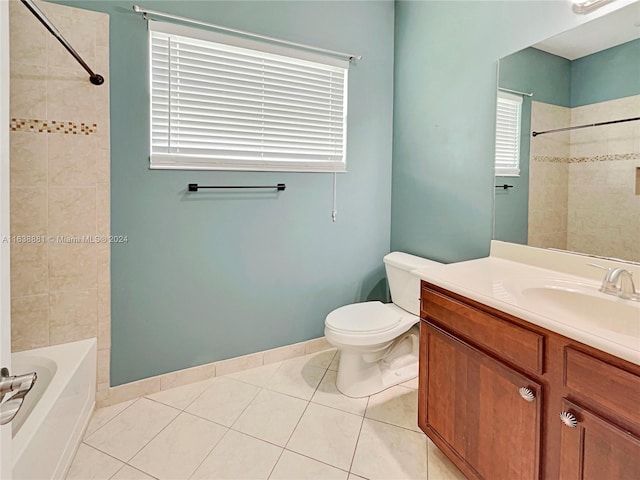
(490, 281)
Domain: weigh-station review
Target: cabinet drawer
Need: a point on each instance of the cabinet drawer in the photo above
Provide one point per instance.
(522, 347)
(610, 387)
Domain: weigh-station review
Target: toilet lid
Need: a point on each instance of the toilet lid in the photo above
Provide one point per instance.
(364, 317)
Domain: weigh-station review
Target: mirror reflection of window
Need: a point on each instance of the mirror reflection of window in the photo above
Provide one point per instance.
(508, 126)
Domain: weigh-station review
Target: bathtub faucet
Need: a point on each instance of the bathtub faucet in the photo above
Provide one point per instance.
(20, 385)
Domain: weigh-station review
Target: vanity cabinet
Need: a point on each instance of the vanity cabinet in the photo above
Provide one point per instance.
(469, 394)
(596, 449)
(492, 389)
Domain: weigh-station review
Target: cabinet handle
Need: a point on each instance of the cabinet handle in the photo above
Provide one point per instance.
(527, 394)
(569, 419)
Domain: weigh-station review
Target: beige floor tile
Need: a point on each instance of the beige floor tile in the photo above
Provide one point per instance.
(335, 362)
(319, 359)
(292, 466)
(181, 397)
(130, 473)
(388, 452)
(297, 377)
(327, 394)
(103, 415)
(440, 467)
(271, 417)
(223, 401)
(411, 383)
(355, 477)
(327, 435)
(126, 434)
(178, 450)
(396, 405)
(239, 456)
(90, 463)
(258, 376)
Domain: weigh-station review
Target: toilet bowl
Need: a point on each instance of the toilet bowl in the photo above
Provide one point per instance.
(378, 342)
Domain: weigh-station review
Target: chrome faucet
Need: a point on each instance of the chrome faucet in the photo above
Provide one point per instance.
(623, 276)
(20, 385)
(618, 282)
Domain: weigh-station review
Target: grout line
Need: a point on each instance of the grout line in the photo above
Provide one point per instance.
(247, 406)
(231, 375)
(136, 469)
(98, 450)
(212, 380)
(153, 438)
(303, 412)
(396, 425)
(111, 419)
(256, 438)
(316, 460)
(286, 443)
(355, 448)
(326, 370)
(213, 447)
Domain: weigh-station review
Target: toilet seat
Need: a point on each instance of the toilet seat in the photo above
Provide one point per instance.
(367, 324)
(363, 318)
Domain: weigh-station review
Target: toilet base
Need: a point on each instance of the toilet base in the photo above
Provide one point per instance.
(361, 374)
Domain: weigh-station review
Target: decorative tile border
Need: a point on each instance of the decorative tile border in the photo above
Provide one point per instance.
(547, 159)
(596, 158)
(606, 158)
(51, 126)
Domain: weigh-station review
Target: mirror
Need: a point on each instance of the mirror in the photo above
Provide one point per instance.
(579, 188)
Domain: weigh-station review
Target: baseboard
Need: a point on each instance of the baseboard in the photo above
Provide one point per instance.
(110, 395)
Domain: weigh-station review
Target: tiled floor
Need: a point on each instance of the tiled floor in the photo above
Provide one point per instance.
(279, 421)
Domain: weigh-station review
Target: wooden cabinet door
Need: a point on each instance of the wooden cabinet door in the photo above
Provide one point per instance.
(596, 449)
(471, 406)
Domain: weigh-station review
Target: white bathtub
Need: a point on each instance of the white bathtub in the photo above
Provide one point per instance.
(55, 414)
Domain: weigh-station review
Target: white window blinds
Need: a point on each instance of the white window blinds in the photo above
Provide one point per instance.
(216, 104)
(508, 121)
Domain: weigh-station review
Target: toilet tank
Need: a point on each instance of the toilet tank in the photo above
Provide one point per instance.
(405, 287)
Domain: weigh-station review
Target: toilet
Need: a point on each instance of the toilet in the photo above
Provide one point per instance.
(378, 342)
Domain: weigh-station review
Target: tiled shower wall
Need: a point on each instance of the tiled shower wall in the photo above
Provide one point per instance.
(548, 177)
(60, 280)
(586, 178)
(604, 206)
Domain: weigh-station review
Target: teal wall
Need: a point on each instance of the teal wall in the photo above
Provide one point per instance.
(549, 78)
(446, 56)
(606, 75)
(210, 276)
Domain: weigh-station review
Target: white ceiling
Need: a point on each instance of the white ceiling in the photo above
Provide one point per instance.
(615, 28)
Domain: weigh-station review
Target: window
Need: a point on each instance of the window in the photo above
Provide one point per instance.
(224, 103)
(508, 120)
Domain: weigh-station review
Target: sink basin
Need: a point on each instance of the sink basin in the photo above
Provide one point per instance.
(588, 309)
(578, 304)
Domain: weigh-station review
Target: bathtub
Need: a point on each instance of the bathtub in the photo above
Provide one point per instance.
(49, 427)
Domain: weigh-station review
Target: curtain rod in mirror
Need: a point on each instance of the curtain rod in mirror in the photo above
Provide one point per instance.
(516, 92)
(586, 126)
